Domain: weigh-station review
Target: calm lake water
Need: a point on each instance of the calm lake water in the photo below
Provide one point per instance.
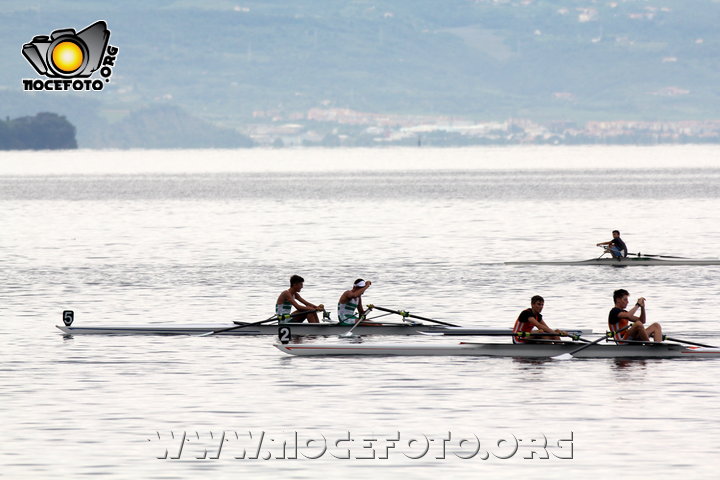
(208, 237)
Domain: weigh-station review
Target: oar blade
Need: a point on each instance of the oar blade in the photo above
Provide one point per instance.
(564, 356)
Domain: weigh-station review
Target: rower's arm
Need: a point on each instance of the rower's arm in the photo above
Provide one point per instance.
(603, 243)
(629, 315)
(642, 313)
(540, 325)
(353, 294)
(307, 304)
(287, 297)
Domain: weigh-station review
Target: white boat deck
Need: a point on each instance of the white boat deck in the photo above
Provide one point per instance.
(659, 350)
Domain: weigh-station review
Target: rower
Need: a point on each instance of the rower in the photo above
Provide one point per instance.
(616, 246)
(530, 319)
(350, 301)
(619, 318)
(291, 298)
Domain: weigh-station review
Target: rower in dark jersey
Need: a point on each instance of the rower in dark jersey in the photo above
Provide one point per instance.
(616, 246)
(619, 318)
(530, 319)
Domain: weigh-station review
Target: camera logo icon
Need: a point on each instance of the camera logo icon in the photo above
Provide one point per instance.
(66, 58)
(68, 54)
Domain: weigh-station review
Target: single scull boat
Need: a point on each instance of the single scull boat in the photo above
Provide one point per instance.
(631, 259)
(627, 262)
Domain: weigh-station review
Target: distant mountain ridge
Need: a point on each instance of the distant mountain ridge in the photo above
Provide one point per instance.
(169, 127)
(221, 61)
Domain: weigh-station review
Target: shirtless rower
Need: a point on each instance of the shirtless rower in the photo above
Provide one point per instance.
(350, 301)
(530, 320)
(620, 318)
(290, 298)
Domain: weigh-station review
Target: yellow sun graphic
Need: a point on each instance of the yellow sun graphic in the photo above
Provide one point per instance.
(67, 56)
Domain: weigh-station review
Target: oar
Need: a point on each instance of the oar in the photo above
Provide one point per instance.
(360, 320)
(274, 317)
(213, 332)
(658, 256)
(603, 254)
(489, 332)
(688, 342)
(408, 314)
(569, 355)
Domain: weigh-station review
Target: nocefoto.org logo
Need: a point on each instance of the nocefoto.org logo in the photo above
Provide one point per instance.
(68, 57)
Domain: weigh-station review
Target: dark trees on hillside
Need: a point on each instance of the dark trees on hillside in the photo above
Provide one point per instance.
(44, 131)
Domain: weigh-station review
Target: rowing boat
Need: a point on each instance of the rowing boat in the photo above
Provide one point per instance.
(286, 329)
(645, 350)
(294, 329)
(298, 329)
(627, 262)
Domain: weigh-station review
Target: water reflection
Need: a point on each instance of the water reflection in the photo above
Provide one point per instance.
(628, 370)
(211, 249)
(538, 362)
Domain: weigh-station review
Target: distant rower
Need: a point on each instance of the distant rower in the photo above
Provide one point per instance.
(616, 246)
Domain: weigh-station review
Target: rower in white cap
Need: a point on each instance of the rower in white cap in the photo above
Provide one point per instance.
(350, 301)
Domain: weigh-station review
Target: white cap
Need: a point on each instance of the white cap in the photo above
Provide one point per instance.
(360, 284)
